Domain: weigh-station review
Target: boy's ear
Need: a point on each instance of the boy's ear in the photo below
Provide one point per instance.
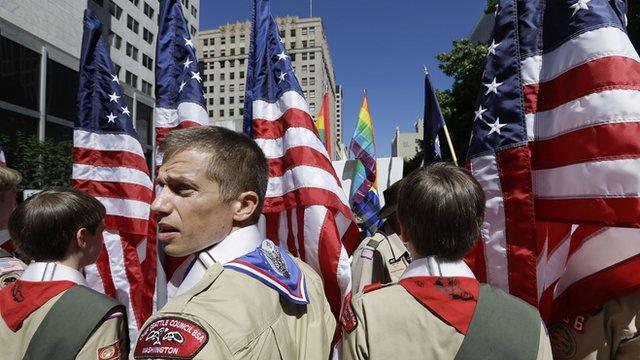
(81, 238)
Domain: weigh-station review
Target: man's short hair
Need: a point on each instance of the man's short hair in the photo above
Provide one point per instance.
(9, 178)
(44, 226)
(441, 210)
(236, 162)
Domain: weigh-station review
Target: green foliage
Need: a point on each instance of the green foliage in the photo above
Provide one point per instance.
(41, 164)
(491, 6)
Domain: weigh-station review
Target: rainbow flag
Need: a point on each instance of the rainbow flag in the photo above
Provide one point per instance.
(364, 188)
(323, 124)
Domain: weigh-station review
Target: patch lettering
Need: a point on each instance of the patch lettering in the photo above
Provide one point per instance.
(171, 337)
(109, 352)
(348, 317)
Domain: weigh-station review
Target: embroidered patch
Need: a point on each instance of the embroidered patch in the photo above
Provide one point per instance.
(8, 265)
(367, 254)
(170, 337)
(562, 342)
(348, 317)
(109, 352)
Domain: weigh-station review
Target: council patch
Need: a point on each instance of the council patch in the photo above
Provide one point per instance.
(170, 338)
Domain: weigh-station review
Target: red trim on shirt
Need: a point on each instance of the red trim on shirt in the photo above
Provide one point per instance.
(452, 299)
(22, 298)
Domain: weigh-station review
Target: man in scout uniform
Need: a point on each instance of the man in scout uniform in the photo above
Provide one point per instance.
(382, 257)
(438, 310)
(609, 331)
(240, 296)
(49, 313)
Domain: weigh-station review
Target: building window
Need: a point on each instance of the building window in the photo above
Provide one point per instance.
(210, 113)
(233, 52)
(232, 76)
(132, 52)
(241, 111)
(232, 88)
(304, 43)
(304, 56)
(210, 101)
(292, 32)
(194, 11)
(205, 42)
(304, 31)
(242, 51)
(212, 77)
(221, 88)
(118, 68)
(312, 107)
(99, 2)
(132, 24)
(221, 113)
(205, 54)
(211, 89)
(304, 69)
(231, 100)
(115, 40)
(312, 56)
(131, 79)
(242, 38)
(147, 61)
(312, 81)
(148, 10)
(193, 31)
(312, 31)
(304, 82)
(241, 99)
(147, 88)
(241, 74)
(135, 2)
(312, 68)
(185, 3)
(204, 89)
(241, 62)
(231, 112)
(147, 36)
(115, 10)
(222, 76)
(312, 43)
(223, 41)
(232, 40)
(312, 94)
(292, 45)
(242, 87)
(232, 63)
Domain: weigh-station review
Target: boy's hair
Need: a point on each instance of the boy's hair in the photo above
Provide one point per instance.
(9, 178)
(236, 163)
(44, 226)
(441, 210)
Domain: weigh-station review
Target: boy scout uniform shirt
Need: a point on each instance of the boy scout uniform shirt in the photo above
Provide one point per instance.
(380, 258)
(223, 310)
(608, 332)
(108, 340)
(388, 322)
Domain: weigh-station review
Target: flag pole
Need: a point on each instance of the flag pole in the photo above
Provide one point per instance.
(446, 131)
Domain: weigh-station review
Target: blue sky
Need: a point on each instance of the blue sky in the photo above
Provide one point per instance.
(376, 45)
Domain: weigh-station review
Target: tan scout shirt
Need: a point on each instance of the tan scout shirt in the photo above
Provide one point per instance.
(231, 315)
(378, 259)
(108, 340)
(608, 332)
(389, 323)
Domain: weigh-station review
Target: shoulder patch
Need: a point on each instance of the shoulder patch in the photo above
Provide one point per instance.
(170, 337)
(109, 352)
(371, 287)
(373, 243)
(348, 318)
(367, 253)
(274, 267)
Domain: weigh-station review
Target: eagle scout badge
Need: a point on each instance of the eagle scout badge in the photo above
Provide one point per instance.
(109, 352)
(274, 258)
(170, 338)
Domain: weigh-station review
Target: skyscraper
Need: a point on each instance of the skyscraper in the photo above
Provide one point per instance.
(224, 51)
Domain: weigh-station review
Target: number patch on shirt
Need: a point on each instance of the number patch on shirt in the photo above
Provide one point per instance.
(170, 337)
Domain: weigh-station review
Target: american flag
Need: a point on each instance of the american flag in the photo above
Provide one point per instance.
(306, 210)
(556, 139)
(109, 164)
(179, 92)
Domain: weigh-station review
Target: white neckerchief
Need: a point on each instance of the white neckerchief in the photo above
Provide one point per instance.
(50, 271)
(4, 236)
(430, 266)
(235, 245)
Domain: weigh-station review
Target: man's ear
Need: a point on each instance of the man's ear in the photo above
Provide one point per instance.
(81, 238)
(245, 206)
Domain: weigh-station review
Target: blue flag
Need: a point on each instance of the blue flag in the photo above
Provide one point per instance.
(433, 123)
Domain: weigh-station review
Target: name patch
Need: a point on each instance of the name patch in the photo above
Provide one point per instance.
(170, 337)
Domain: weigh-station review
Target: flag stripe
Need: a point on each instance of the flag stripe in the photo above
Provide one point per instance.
(263, 110)
(114, 189)
(120, 174)
(611, 72)
(605, 211)
(314, 177)
(102, 158)
(107, 142)
(592, 144)
(293, 137)
(300, 155)
(268, 129)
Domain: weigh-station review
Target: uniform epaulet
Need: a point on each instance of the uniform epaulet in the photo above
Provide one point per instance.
(373, 243)
(274, 267)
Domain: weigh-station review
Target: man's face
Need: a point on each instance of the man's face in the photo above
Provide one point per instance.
(191, 214)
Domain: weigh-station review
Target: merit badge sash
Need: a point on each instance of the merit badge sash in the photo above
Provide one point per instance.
(274, 267)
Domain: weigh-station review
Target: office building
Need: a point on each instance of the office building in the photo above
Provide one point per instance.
(40, 43)
(224, 54)
(406, 144)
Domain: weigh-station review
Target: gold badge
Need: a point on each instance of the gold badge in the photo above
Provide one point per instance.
(562, 341)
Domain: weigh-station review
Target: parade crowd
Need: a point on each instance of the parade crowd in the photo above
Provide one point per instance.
(244, 297)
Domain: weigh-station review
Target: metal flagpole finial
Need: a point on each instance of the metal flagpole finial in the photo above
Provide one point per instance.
(426, 70)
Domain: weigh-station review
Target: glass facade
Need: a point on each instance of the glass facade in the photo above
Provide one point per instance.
(19, 74)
